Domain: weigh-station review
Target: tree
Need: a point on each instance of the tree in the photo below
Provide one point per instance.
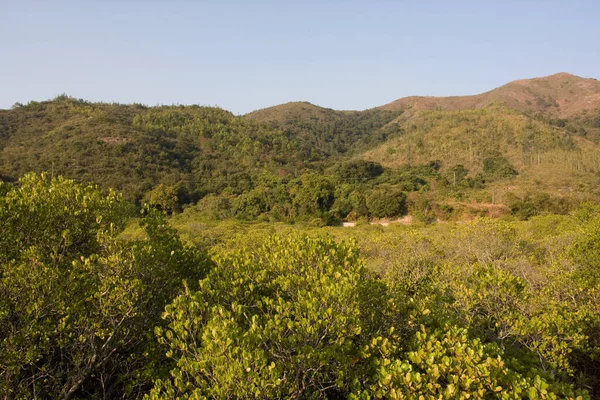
(312, 194)
(386, 202)
(457, 173)
(252, 204)
(358, 171)
(77, 305)
(163, 197)
(499, 167)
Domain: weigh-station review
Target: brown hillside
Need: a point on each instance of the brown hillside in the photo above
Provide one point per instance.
(561, 95)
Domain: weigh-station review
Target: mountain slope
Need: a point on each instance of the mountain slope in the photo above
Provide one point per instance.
(547, 157)
(561, 95)
(334, 132)
(133, 148)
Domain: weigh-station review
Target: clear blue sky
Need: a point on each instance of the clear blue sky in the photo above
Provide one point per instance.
(245, 55)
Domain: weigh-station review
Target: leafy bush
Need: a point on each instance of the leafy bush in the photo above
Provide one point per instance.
(498, 167)
(386, 202)
(286, 320)
(449, 365)
(78, 305)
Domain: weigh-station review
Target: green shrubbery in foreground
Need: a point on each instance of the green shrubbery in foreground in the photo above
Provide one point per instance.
(481, 310)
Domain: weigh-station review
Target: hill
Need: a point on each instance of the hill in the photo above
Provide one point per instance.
(299, 160)
(335, 132)
(199, 150)
(561, 160)
(561, 95)
(133, 148)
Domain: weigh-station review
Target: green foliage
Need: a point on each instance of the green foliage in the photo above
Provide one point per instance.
(300, 317)
(448, 365)
(498, 167)
(536, 203)
(468, 136)
(216, 207)
(286, 320)
(482, 309)
(163, 197)
(251, 204)
(173, 156)
(312, 194)
(56, 217)
(134, 148)
(410, 178)
(350, 202)
(78, 306)
(325, 133)
(586, 253)
(478, 310)
(387, 202)
(358, 171)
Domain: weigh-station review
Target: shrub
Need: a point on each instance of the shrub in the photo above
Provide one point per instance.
(76, 304)
(285, 321)
(386, 202)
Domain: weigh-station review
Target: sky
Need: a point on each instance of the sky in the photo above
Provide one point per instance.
(247, 55)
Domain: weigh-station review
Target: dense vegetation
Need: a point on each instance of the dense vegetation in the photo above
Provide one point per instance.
(221, 270)
(195, 150)
(299, 162)
(487, 309)
(78, 306)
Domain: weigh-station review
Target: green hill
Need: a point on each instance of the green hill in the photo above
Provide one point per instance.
(527, 137)
(547, 128)
(133, 147)
(468, 137)
(333, 132)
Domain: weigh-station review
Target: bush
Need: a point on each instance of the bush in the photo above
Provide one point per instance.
(498, 167)
(386, 202)
(286, 321)
(77, 305)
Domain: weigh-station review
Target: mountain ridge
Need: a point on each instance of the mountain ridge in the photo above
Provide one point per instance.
(562, 94)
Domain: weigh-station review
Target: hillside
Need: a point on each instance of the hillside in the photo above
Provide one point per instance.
(199, 150)
(133, 148)
(548, 129)
(559, 160)
(561, 95)
(336, 132)
(299, 160)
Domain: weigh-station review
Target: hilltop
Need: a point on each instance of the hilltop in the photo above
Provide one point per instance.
(562, 95)
(300, 110)
(337, 132)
